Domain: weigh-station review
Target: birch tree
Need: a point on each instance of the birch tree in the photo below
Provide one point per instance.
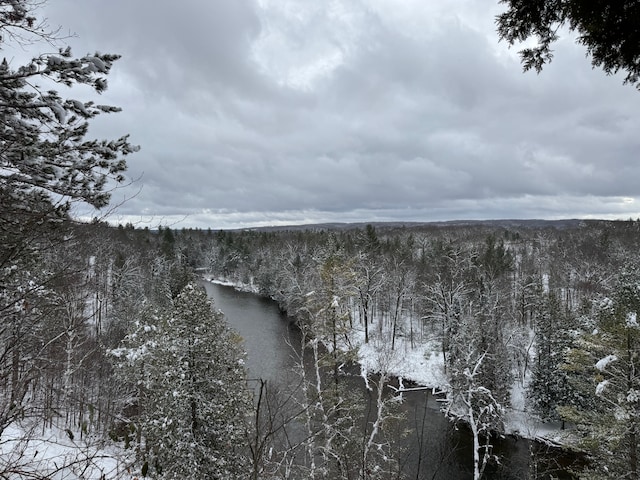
(476, 405)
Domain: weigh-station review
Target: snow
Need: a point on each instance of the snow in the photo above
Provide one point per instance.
(336, 302)
(632, 320)
(621, 414)
(601, 386)
(242, 287)
(59, 454)
(604, 362)
(95, 64)
(518, 421)
(545, 282)
(58, 111)
(633, 396)
(423, 364)
(80, 106)
(54, 60)
(606, 303)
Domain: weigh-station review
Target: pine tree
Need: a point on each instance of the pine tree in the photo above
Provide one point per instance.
(192, 394)
(47, 160)
(605, 369)
(549, 386)
(47, 164)
(198, 399)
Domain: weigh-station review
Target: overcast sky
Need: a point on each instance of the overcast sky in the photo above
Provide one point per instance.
(296, 111)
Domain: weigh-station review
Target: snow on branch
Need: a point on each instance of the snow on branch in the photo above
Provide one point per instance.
(604, 362)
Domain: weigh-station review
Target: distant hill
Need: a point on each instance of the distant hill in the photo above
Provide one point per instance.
(506, 223)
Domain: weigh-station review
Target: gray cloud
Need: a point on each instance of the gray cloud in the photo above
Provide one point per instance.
(266, 112)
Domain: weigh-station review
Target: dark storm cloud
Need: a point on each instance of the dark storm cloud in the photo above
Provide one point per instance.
(289, 111)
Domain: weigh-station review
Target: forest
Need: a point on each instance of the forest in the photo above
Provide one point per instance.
(549, 309)
(114, 364)
(108, 338)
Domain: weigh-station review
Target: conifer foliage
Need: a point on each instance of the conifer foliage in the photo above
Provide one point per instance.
(47, 162)
(44, 146)
(605, 368)
(194, 398)
(608, 29)
(549, 387)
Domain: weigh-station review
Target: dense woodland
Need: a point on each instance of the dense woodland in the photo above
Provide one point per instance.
(108, 341)
(550, 308)
(105, 336)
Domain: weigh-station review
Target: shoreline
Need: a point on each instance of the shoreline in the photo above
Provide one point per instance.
(424, 372)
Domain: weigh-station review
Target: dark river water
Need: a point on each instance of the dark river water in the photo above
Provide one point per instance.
(435, 448)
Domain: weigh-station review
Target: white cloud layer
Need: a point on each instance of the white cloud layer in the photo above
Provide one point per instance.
(288, 111)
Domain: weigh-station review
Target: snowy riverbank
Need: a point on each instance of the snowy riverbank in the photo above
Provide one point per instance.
(421, 363)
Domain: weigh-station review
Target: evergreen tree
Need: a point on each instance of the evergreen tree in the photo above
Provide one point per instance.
(193, 397)
(605, 369)
(47, 159)
(609, 30)
(549, 386)
(47, 164)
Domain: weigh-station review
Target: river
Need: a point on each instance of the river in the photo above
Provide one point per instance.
(435, 448)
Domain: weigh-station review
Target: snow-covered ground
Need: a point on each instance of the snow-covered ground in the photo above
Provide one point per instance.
(423, 364)
(28, 451)
(520, 422)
